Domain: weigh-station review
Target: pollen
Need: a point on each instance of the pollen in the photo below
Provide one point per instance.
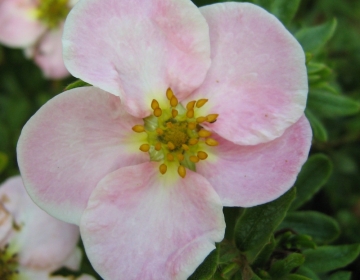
(174, 113)
(204, 133)
(163, 168)
(182, 171)
(138, 128)
(190, 113)
(201, 102)
(194, 159)
(144, 147)
(190, 105)
(154, 104)
(201, 119)
(202, 155)
(157, 112)
(212, 118)
(174, 101)
(211, 142)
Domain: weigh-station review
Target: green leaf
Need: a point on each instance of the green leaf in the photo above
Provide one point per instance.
(307, 272)
(313, 67)
(296, 277)
(341, 275)
(255, 227)
(285, 10)
(3, 161)
(327, 258)
(76, 84)
(314, 38)
(207, 269)
(283, 267)
(265, 253)
(329, 105)
(313, 175)
(320, 227)
(318, 129)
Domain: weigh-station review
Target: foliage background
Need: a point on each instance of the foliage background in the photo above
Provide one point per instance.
(329, 32)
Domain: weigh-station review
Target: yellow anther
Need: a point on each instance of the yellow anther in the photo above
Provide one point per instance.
(202, 155)
(138, 128)
(193, 141)
(170, 145)
(211, 142)
(180, 157)
(204, 133)
(157, 112)
(194, 159)
(144, 147)
(170, 157)
(212, 117)
(201, 119)
(159, 131)
(201, 102)
(169, 93)
(163, 168)
(174, 113)
(182, 171)
(185, 147)
(190, 105)
(169, 125)
(154, 104)
(191, 125)
(190, 113)
(174, 101)
(158, 146)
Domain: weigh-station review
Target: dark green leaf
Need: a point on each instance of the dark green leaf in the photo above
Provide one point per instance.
(314, 38)
(255, 227)
(283, 267)
(285, 10)
(320, 227)
(307, 272)
(76, 84)
(265, 253)
(3, 161)
(318, 129)
(313, 67)
(341, 275)
(296, 277)
(207, 269)
(327, 258)
(313, 175)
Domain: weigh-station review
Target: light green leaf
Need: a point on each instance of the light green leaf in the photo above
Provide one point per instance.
(313, 175)
(318, 129)
(76, 84)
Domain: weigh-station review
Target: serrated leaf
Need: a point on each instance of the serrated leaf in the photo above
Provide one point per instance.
(256, 225)
(207, 269)
(76, 84)
(320, 227)
(341, 275)
(327, 258)
(313, 175)
(314, 38)
(283, 267)
(329, 105)
(318, 129)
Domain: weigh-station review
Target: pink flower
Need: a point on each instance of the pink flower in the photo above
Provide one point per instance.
(214, 97)
(36, 26)
(32, 243)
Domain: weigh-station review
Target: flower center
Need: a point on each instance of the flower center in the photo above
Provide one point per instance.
(175, 134)
(52, 12)
(8, 264)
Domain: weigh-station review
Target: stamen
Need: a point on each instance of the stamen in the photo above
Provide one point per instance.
(170, 157)
(182, 171)
(190, 113)
(192, 125)
(159, 131)
(191, 105)
(204, 133)
(157, 112)
(174, 113)
(185, 147)
(154, 104)
(211, 142)
(201, 102)
(169, 124)
(202, 155)
(169, 93)
(212, 117)
(144, 147)
(193, 141)
(174, 101)
(170, 145)
(194, 159)
(138, 128)
(180, 157)
(201, 119)
(158, 146)
(163, 168)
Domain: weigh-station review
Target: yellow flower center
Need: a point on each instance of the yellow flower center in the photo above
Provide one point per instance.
(175, 134)
(52, 12)
(8, 264)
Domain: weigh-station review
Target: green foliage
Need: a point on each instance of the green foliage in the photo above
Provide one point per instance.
(283, 267)
(341, 275)
(3, 161)
(207, 269)
(76, 84)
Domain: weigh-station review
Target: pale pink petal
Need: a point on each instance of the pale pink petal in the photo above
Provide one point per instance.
(70, 144)
(6, 225)
(140, 224)
(18, 27)
(73, 262)
(48, 55)
(137, 49)
(42, 242)
(257, 81)
(250, 175)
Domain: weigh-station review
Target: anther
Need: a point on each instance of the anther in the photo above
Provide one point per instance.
(204, 133)
(182, 171)
(144, 147)
(190, 113)
(174, 113)
(170, 157)
(193, 141)
(157, 112)
(159, 131)
(194, 159)
(190, 105)
(170, 145)
(163, 168)
(138, 128)
(169, 93)
(191, 125)
(211, 142)
(174, 101)
(180, 157)
(212, 117)
(154, 104)
(185, 147)
(169, 125)
(201, 119)
(201, 102)
(202, 155)
(158, 146)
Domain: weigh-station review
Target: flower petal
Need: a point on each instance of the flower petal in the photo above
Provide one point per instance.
(250, 175)
(257, 81)
(178, 220)
(70, 144)
(42, 242)
(138, 49)
(18, 28)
